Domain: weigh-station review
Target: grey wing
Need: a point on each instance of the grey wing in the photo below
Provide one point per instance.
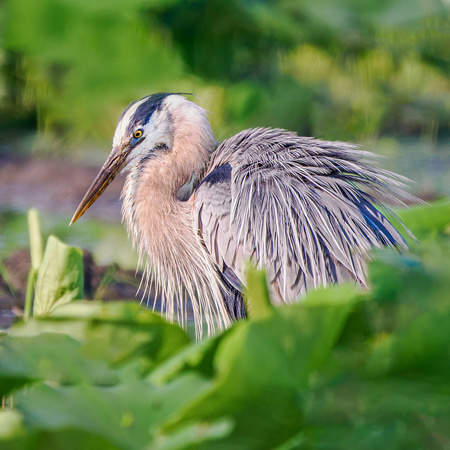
(212, 203)
(305, 209)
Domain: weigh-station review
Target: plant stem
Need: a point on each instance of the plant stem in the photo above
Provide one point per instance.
(32, 275)
(36, 252)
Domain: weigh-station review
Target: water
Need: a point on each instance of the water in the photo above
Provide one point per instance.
(427, 164)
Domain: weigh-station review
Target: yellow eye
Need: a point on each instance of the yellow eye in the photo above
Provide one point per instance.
(137, 134)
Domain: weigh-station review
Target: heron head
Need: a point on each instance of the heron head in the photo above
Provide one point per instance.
(144, 130)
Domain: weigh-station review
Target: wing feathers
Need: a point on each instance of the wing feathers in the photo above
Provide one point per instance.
(308, 210)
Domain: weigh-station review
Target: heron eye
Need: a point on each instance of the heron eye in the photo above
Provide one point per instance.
(137, 134)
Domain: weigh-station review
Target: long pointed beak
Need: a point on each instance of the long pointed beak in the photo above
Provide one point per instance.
(107, 173)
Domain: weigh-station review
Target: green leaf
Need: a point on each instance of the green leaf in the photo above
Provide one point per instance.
(126, 415)
(422, 346)
(11, 424)
(60, 277)
(425, 218)
(87, 341)
(257, 298)
(264, 367)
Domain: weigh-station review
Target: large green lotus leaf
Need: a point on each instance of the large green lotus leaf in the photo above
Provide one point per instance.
(87, 341)
(413, 328)
(389, 387)
(126, 326)
(51, 357)
(264, 368)
(423, 346)
(354, 411)
(60, 277)
(427, 218)
(406, 287)
(124, 415)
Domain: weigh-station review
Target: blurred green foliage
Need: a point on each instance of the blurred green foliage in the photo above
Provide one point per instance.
(341, 70)
(344, 368)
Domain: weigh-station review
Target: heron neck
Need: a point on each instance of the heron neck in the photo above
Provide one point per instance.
(170, 251)
(151, 208)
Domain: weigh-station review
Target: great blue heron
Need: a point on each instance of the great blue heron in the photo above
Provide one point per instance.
(307, 210)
